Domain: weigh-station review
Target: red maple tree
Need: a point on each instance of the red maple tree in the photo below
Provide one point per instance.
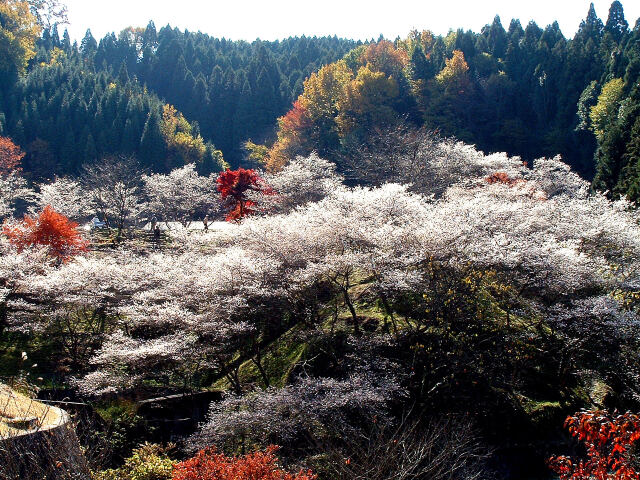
(10, 156)
(234, 185)
(48, 228)
(208, 464)
(608, 439)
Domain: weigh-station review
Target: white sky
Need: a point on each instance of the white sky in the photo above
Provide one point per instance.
(355, 19)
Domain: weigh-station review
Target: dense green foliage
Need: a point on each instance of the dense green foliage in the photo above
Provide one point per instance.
(79, 103)
(616, 123)
(531, 90)
(235, 90)
(66, 115)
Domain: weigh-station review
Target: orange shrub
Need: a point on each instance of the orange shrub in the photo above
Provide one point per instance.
(48, 228)
(208, 464)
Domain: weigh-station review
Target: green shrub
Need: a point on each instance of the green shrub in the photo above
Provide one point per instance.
(149, 462)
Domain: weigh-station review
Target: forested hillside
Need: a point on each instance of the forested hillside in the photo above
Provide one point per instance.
(234, 90)
(100, 98)
(525, 90)
(528, 91)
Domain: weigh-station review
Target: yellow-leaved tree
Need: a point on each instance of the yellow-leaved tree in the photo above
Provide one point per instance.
(367, 101)
(311, 122)
(455, 73)
(182, 146)
(19, 30)
(324, 90)
(606, 110)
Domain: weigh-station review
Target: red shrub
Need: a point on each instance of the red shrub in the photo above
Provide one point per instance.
(48, 228)
(608, 439)
(210, 465)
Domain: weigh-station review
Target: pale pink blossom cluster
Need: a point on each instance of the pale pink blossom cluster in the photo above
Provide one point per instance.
(179, 196)
(210, 301)
(13, 189)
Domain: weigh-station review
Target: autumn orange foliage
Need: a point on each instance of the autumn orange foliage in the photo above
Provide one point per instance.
(48, 228)
(384, 57)
(357, 93)
(502, 177)
(608, 439)
(292, 127)
(296, 120)
(208, 464)
(10, 156)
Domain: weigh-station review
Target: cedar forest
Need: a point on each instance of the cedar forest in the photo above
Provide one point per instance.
(320, 258)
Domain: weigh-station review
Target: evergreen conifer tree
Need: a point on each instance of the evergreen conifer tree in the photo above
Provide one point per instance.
(152, 144)
(616, 24)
